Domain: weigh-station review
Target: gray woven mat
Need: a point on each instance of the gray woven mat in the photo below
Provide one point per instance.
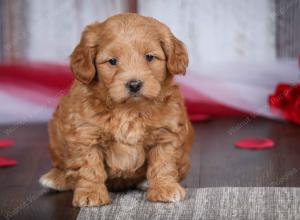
(204, 203)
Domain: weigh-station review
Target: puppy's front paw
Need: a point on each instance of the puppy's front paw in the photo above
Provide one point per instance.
(83, 198)
(172, 192)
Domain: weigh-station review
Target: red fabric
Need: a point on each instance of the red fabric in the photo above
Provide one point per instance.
(201, 106)
(286, 99)
(199, 117)
(45, 83)
(47, 75)
(254, 144)
(38, 83)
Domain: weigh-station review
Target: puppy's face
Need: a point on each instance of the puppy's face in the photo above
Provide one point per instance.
(132, 65)
(132, 55)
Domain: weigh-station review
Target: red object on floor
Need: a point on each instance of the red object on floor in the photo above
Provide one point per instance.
(6, 143)
(254, 144)
(5, 162)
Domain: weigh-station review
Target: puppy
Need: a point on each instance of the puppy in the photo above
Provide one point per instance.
(123, 120)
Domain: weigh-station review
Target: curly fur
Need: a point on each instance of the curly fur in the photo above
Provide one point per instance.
(104, 138)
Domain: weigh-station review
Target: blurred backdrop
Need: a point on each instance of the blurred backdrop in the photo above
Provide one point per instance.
(230, 30)
(239, 51)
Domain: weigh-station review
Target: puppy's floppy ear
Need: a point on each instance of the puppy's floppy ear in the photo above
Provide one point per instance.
(83, 56)
(176, 53)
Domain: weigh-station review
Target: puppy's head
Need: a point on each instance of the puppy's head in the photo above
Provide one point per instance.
(131, 55)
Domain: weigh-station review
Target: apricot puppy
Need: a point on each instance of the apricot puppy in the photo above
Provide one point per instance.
(123, 120)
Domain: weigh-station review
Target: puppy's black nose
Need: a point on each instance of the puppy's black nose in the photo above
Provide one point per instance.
(134, 85)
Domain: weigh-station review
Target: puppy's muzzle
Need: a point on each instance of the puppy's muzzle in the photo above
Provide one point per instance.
(134, 86)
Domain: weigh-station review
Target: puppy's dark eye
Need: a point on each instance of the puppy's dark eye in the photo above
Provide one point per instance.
(113, 61)
(149, 57)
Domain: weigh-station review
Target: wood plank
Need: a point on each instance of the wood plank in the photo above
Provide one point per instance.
(21, 196)
(132, 6)
(33, 27)
(219, 31)
(215, 162)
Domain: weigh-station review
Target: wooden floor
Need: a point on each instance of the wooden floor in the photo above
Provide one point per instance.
(215, 162)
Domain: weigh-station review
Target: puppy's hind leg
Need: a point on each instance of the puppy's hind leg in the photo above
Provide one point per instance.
(56, 179)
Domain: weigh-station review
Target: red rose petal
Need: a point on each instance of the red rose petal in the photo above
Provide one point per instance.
(6, 143)
(5, 162)
(254, 144)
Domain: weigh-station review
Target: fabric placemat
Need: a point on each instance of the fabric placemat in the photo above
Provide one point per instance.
(204, 203)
